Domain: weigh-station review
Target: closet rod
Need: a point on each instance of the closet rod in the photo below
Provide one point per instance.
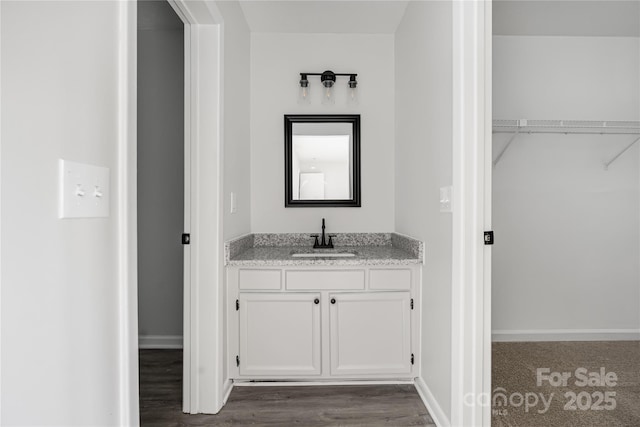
(567, 126)
(566, 131)
(582, 127)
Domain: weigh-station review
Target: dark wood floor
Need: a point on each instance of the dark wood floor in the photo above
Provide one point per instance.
(386, 405)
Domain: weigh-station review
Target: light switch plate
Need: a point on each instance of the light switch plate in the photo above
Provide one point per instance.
(446, 196)
(233, 202)
(83, 190)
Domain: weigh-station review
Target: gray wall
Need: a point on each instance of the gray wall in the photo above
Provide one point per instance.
(61, 360)
(423, 164)
(580, 280)
(236, 139)
(160, 173)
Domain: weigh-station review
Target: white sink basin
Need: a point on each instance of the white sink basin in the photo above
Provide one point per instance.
(323, 254)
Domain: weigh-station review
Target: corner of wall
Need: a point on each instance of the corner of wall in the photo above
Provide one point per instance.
(435, 411)
(423, 97)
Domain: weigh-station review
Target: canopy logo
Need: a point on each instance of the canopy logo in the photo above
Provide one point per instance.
(597, 400)
(582, 377)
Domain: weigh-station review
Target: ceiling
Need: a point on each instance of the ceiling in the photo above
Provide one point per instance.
(328, 148)
(510, 17)
(328, 16)
(326, 142)
(601, 18)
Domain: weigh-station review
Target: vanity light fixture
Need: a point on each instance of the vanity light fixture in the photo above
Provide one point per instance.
(303, 94)
(353, 90)
(328, 79)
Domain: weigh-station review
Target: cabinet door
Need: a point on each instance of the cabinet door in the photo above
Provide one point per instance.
(279, 334)
(370, 333)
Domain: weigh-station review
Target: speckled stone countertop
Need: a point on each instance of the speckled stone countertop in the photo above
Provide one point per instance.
(256, 250)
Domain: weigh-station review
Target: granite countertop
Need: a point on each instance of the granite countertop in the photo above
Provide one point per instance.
(257, 250)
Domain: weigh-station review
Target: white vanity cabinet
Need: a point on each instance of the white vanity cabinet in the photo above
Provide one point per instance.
(370, 333)
(279, 333)
(323, 323)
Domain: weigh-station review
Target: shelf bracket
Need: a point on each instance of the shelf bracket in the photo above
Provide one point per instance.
(614, 158)
(506, 147)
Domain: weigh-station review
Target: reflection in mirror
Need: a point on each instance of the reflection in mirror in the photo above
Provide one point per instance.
(323, 166)
(321, 161)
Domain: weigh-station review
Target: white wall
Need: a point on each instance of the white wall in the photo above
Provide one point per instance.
(236, 120)
(423, 164)
(236, 133)
(276, 63)
(295, 172)
(160, 173)
(60, 313)
(336, 177)
(567, 253)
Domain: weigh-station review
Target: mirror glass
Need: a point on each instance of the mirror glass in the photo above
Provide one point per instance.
(322, 160)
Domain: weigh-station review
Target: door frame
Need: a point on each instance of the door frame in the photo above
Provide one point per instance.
(0, 212)
(203, 339)
(203, 390)
(471, 259)
(486, 193)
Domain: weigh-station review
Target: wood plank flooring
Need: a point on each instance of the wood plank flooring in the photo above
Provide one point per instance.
(371, 406)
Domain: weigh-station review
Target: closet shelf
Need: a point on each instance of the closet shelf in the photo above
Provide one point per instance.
(607, 127)
(567, 126)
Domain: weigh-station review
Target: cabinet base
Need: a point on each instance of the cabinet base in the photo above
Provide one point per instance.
(284, 383)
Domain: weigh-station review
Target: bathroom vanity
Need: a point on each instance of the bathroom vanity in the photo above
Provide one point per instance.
(347, 313)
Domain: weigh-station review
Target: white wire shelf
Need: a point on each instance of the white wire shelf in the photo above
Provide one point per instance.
(607, 127)
(567, 126)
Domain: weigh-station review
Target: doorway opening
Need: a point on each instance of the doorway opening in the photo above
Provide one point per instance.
(566, 203)
(162, 184)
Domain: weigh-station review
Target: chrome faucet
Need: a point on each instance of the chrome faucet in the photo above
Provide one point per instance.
(323, 244)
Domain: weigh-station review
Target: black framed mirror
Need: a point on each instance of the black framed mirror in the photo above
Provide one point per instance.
(322, 160)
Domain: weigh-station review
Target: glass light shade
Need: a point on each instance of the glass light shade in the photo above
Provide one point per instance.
(304, 93)
(352, 96)
(327, 95)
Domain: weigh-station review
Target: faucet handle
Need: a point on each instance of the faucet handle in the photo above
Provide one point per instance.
(316, 243)
(331, 236)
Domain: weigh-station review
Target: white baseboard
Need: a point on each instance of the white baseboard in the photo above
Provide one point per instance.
(226, 391)
(436, 412)
(160, 341)
(565, 335)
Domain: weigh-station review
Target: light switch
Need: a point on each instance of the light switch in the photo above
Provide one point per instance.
(233, 203)
(84, 190)
(446, 194)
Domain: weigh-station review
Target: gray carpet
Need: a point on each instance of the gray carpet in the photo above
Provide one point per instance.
(515, 368)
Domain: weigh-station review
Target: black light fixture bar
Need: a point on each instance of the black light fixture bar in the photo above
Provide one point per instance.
(328, 80)
(335, 74)
(328, 76)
